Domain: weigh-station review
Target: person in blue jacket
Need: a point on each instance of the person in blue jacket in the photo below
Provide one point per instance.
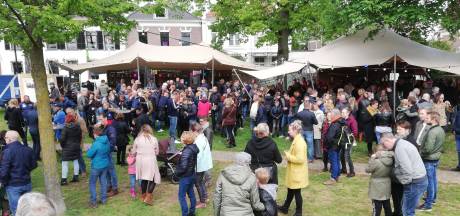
(26, 105)
(99, 153)
(111, 133)
(58, 120)
(32, 123)
(16, 165)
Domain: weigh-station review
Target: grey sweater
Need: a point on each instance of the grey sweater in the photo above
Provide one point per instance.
(408, 163)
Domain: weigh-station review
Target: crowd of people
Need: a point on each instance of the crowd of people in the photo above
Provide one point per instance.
(323, 123)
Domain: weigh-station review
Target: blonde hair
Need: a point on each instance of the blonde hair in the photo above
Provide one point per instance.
(228, 102)
(262, 130)
(13, 103)
(262, 175)
(145, 130)
(187, 137)
(296, 125)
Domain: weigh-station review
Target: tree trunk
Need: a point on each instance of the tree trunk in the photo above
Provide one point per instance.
(283, 36)
(48, 152)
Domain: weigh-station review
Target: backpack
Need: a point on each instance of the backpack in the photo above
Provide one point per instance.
(346, 138)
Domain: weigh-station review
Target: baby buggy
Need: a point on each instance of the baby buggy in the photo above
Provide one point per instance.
(170, 160)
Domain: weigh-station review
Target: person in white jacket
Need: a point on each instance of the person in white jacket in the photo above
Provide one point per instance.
(320, 117)
(204, 164)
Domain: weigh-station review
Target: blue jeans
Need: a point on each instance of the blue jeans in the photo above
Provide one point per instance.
(172, 126)
(81, 163)
(14, 193)
(457, 142)
(244, 111)
(132, 181)
(96, 174)
(412, 194)
(112, 180)
(432, 188)
(308, 136)
(333, 156)
(284, 124)
(186, 187)
(158, 125)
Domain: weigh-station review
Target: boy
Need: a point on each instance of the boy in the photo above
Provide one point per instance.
(267, 193)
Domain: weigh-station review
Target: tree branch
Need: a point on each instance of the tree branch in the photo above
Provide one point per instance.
(23, 25)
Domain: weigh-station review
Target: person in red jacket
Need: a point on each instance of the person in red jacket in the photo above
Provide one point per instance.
(326, 124)
(345, 154)
(229, 121)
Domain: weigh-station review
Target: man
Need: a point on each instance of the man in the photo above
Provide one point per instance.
(103, 89)
(422, 126)
(173, 114)
(82, 102)
(17, 163)
(308, 119)
(408, 169)
(162, 110)
(345, 154)
(285, 118)
(111, 133)
(425, 102)
(32, 122)
(332, 140)
(214, 98)
(204, 84)
(141, 119)
(25, 106)
(430, 151)
(58, 120)
(54, 92)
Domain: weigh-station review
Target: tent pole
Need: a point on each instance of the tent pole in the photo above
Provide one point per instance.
(138, 72)
(212, 72)
(309, 74)
(394, 87)
(242, 84)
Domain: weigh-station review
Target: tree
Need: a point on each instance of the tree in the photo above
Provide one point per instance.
(31, 24)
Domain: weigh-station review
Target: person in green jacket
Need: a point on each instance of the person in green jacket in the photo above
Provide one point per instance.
(430, 151)
(380, 166)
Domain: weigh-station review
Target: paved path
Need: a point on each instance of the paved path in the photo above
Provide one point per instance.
(444, 176)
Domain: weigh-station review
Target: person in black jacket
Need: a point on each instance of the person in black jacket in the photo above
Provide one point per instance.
(70, 142)
(15, 120)
(308, 119)
(332, 139)
(267, 193)
(186, 171)
(140, 120)
(123, 130)
(17, 163)
(264, 152)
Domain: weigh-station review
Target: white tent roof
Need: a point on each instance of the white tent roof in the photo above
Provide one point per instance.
(285, 68)
(163, 57)
(359, 50)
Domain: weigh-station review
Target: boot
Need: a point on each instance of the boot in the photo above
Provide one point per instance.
(344, 171)
(283, 209)
(142, 198)
(109, 189)
(132, 191)
(113, 193)
(351, 174)
(64, 181)
(75, 179)
(148, 199)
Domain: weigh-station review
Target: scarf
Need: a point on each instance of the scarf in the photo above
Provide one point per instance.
(372, 110)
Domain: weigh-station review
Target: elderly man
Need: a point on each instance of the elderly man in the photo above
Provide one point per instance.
(17, 163)
(233, 181)
(408, 169)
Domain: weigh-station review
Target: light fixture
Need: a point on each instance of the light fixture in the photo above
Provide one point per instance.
(384, 69)
(357, 69)
(332, 68)
(405, 70)
(429, 70)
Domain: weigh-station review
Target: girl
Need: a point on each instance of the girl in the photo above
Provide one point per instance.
(131, 159)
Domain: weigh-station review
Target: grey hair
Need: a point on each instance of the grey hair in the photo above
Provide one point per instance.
(35, 204)
(386, 136)
(262, 128)
(296, 125)
(335, 112)
(243, 159)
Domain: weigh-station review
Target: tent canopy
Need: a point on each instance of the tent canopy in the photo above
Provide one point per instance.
(285, 68)
(163, 57)
(359, 50)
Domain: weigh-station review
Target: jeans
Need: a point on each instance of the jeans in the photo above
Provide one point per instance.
(132, 181)
(457, 142)
(112, 180)
(14, 193)
(96, 174)
(158, 125)
(186, 188)
(412, 194)
(345, 158)
(333, 156)
(276, 127)
(65, 168)
(308, 136)
(172, 127)
(81, 163)
(200, 185)
(284, 124)
(36, 145)
(432, 188)
(230, 135)
(244, 111)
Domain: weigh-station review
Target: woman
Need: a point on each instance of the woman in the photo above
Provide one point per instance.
(146, 149)
(297, 169)
(14, 118)
(123, 130)
(440, 107)
(204, 163)
(229, 121)
(203, 107)
(70, 142)
(264, 152)
(383, 120)
(367, 122)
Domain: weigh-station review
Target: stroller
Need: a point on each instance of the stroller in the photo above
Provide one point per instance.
(170, 160)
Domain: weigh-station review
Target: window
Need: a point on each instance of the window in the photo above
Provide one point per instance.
(56, 46)
(259, 60)
(100, 40)
(10, 46)
(234, 40)
(81, 43)
(17, 67)
(185, 38)
(7, 45)
(274, 60)
(53, 67)
(213, 37)
(164, 38)
(72, 45)
(91, 40)
(314, 44)
(109, 42)
(71, 61)
(143, 37)
(160, 13)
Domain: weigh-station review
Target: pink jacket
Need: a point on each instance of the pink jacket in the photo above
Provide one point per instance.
(203, 109)
(131, 159)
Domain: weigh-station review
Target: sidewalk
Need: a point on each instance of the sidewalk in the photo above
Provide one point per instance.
(444, 176)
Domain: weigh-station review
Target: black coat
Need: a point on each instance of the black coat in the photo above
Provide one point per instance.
(187, 163)
(14, 118)
(142, 119)
(269, 203)
(70, 142)
(333, 133)
(384, 119)
(308, 119)
(17, 162)
(264, 153)
(122, 132)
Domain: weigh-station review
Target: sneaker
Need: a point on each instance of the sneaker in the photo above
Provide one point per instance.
(351, 175)
(64, 182)
(283, 209)
(177, 141)
(200, 205)
(133, 193)
(423, 209)
(92, 205)
(281, 136)
(112, 193)
(161, 130)
(330, 182)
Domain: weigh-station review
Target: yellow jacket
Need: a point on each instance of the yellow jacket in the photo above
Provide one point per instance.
(297, 168)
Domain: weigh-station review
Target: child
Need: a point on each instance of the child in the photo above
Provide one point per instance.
(380, 166)
(99, 154)
(131, 159)
(186, 172)
(267, 193)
